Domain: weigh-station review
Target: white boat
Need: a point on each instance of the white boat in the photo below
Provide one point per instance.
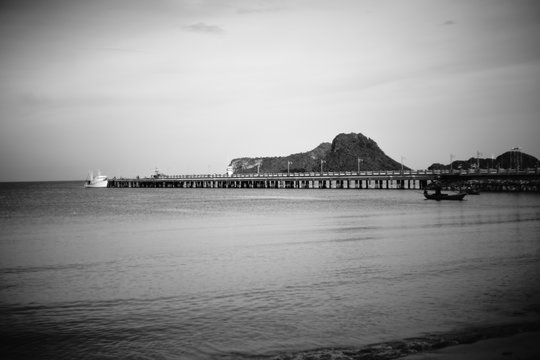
(98, 181)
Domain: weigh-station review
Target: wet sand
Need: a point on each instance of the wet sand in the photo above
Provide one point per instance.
(523, 346)
(508, 342)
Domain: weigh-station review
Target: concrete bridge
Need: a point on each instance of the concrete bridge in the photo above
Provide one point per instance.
(528, 179)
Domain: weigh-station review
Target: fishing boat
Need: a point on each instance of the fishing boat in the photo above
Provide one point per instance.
(440, 196)
(98, 181)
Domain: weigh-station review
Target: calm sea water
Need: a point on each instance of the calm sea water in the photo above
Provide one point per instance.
(245, 273)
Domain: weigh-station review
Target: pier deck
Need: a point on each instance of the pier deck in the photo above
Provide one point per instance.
(419, 179)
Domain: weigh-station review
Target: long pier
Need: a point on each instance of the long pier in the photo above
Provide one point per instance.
(497, 179)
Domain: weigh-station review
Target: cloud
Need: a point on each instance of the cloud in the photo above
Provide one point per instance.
(247, 11)
(204, 28)
(448, 22)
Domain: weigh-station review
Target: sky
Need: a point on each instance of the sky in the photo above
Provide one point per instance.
(128, 86)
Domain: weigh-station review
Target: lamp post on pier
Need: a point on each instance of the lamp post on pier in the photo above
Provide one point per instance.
(322, 162)
(359, 161)
(478, 154)
(517, 157)
(402, 158)
(452, 157)
(288, 167)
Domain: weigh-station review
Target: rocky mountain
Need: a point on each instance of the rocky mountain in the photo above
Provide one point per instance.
(340, 155)
(512, 159)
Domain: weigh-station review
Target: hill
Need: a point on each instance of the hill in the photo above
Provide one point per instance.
(340, 155)
(513, 159)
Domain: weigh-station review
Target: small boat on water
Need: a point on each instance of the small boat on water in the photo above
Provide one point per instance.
(440, 196)
(98, 181)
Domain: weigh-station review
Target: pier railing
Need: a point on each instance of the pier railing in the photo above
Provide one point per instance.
(529, 171)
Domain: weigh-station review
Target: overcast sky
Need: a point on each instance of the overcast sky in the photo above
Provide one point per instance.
(126, 86)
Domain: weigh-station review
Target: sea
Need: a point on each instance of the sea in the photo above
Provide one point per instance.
(255, 273)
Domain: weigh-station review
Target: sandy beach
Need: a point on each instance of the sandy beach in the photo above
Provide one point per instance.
(521, 346)
(508, 342)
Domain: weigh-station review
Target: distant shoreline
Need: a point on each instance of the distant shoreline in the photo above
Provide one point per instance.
(41, 181)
